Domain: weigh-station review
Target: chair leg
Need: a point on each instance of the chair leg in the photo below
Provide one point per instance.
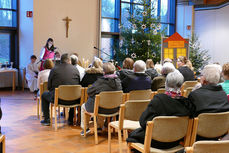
(78, 115)
(38, 108)
(74, 119)
(84, 122)
(109, 138)
(129, 148)
(66, 113)
(95, 130)
(120, 140)
(41, 112)
(55, 117)
(51, 112)
(125, 135)
(59, 111)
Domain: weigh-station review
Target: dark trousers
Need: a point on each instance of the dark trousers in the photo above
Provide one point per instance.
(47, 98)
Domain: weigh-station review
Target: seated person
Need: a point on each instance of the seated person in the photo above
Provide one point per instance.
(74, 61)
(210, 98)
(109, 82)
(32, 74)
(127, 68)
(150, 69)
(43, 75)
(62, 74)
(184, 69)
(161, 105)
(139, 80)
(159, 81)
(92, 73)
(225, 72)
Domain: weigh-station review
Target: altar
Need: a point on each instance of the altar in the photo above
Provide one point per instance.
(9, 78)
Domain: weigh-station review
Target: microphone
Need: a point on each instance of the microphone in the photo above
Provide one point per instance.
(95, 48)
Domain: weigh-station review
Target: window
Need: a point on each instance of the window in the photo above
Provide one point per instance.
(8, 31)
(114, 12)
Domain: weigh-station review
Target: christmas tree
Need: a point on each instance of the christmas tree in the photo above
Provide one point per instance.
(141, 39)
(198, 56)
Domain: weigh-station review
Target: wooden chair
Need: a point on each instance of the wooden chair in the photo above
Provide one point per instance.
(3, 141)
(209, 147)
(67, 93)
(139, 95)
(165, 129)
(129, 116)
(43, 88)
(210, 125)
(187, 84)
(106, 100)
(161, 91)
(187, 91)
(85, 93)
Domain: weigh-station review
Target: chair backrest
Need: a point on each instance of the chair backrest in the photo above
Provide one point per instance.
(169, 128)
(212, 125)
(187, 91)
(69, 92)
(140, 94)
(187, 84)
(161, 90)
(110, 99)
(135, 108)
(211, 146)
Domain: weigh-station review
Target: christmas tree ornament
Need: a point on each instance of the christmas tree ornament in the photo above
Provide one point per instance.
(144, 13)
(133, 55)
(155, 32)
(149, 42)
(143, 26)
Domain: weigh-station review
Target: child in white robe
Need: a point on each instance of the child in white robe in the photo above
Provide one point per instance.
(32, 74)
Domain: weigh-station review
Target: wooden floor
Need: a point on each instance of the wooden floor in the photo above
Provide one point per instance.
(25, 134)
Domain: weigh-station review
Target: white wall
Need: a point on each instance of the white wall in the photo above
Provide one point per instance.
(25, 32)
(83, 30)
(212, 27)
(184, 18)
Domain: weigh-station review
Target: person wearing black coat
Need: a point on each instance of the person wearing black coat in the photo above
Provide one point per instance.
(92, 73)
(139, 80)
(210, 98)
(109, 82)
(169, 104)
(62, 74)
(184, 69)
(127, 70)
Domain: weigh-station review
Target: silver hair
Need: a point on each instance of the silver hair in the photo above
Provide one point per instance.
(74, 59)
(211, 73)
(167, 68)
(139, 66)
(174, 81)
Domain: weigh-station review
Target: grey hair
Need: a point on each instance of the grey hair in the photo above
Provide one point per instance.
(139, 66)
(74, 59)
(167, 68)
(211, 73)
(174, 81)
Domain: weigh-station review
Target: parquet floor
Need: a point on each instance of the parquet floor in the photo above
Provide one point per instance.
(25, 134)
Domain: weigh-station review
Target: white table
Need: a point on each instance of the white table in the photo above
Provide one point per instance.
(13, 71)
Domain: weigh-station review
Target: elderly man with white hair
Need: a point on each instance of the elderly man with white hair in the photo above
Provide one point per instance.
(159, 82)
(74, 62)
(210, 98)
(139, 80)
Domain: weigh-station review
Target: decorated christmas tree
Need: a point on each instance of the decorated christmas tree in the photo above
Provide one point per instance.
(141, 39)
(198, 56)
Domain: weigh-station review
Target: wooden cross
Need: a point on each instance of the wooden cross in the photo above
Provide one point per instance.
(67, 24)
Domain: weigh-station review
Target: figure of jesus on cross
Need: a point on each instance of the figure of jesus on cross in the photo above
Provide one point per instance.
(67, 24)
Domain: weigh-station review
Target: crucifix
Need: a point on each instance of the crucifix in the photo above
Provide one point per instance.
(67, 24)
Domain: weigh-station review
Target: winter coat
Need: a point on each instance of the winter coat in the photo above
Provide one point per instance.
(91, 75)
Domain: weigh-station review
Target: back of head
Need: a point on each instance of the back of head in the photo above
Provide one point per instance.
(98, 63)
(226, 69)
(167, 68)
(211, 74)
(149, 63)
(65, 58)
(174, 81)
(182, 59)
(128, 63)
(139, 66)
(33, 57)
(167, 60)
(48, 64)
(108, 68)
(74, 59)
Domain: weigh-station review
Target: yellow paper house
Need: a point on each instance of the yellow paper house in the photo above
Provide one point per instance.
(174, 46)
